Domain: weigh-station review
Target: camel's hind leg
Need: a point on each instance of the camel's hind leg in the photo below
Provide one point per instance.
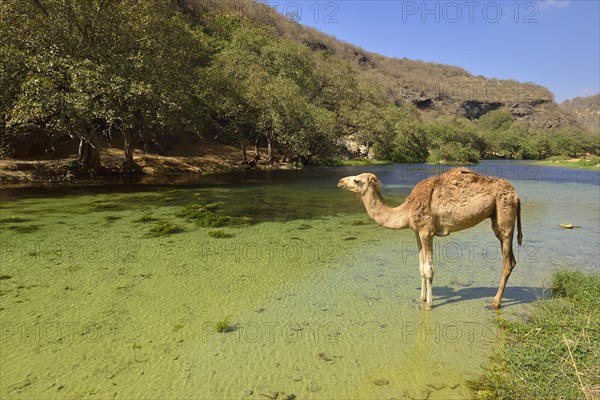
(504, 230)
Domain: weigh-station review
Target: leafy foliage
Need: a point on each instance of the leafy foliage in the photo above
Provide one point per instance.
(454, 140)
(79, 66)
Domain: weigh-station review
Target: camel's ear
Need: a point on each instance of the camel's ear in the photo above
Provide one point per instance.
(373, 178)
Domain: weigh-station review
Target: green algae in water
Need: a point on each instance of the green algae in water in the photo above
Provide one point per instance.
(112, 218)
(145, 218)
(105, 205)
(219, 234)
(203, 216)
(176, 197)
(13, 219)
(24, 229)
(73, 268)
(164, 228)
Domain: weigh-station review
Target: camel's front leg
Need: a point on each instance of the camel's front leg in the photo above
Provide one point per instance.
(428, 269)
(422, 270)
(423, 279)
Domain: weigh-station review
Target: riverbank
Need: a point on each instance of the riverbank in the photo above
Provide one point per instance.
(211, 158)
(182, 158)
(592, 163)
(555, 353)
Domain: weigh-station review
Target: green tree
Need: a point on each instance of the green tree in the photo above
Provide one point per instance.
(454, 140)
(494, 129)
(404, 138)
(269, 87)
(97, 63)
(495, 120)
(235, 78)
(566, 143)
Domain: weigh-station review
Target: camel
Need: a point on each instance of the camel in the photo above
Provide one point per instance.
(439, 205)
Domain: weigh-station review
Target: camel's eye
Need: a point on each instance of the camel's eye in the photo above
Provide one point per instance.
(356, 180)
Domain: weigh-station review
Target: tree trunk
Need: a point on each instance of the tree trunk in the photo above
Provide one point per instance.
(269, 149)
(144, 132)
(128, 164)
(284, 158)
(256, 153)
(89, 151)
(244, 152)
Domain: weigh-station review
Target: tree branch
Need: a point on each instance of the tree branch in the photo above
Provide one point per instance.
(41, 7)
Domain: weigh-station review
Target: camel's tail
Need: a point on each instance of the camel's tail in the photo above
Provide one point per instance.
(519, 232)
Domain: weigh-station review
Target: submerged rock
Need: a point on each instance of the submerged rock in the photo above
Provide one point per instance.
(271, 394)
(436, 386)
(418, 394)
(313, 387)
(381, 382)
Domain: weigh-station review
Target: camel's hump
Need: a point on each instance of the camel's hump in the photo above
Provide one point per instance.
(463, 174)
(460, 170)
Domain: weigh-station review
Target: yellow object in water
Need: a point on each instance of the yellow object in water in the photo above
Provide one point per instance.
(569, 226)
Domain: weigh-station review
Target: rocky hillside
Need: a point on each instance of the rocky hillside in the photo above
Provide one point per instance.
(586, 110)
(436, 89)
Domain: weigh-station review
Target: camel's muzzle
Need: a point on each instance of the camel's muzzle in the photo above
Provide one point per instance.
(342, 183)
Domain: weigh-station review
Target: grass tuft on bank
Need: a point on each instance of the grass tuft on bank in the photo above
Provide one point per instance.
(556, 353)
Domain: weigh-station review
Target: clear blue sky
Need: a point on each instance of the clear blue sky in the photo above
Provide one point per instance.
(555, 43)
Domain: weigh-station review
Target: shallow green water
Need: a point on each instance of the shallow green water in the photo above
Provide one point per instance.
(322, 302)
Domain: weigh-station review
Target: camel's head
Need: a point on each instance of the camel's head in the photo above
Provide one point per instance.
(359, 183)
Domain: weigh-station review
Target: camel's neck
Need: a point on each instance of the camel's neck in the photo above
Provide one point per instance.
(384, 215)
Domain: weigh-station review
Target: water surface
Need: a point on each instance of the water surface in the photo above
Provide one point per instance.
(323, 303)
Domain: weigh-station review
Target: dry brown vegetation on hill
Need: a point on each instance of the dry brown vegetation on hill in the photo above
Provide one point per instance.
(586, 110)
(436, 89)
